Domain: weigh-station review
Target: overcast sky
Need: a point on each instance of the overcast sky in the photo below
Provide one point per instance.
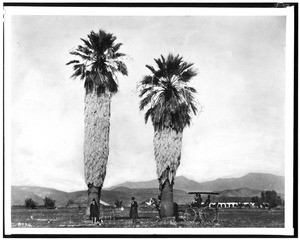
(241, 74)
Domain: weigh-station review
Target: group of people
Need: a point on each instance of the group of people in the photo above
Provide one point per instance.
(133, 214)
(198, 201)
(94, 211)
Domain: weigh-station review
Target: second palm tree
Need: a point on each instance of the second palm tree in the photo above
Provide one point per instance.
(171, 104)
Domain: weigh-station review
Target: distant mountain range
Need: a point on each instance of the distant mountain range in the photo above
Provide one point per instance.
(245, 187)
(262, 181)
(20, 193)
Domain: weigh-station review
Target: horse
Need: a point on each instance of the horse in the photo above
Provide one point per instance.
(155, 203)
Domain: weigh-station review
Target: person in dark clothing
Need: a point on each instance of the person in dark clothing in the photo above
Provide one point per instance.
(207, 202)
(198, 200)
(133, 210)
(94, 211)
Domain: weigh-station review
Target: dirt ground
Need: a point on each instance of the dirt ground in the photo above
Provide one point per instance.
(74, 217)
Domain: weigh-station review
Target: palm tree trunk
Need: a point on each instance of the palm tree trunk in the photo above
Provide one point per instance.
(96, 142)
(166, 204)
(93, 193)
(167, 151)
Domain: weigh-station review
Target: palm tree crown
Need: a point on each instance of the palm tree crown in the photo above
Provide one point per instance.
(171, 101)
(99, 62)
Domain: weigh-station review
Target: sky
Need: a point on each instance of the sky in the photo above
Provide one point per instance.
(240, 61)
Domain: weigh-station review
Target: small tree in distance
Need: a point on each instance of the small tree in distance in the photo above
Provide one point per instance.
(70, 202)
(29, 203)
(273, 199)
(269, 197)
(118, 203)
(49, 203)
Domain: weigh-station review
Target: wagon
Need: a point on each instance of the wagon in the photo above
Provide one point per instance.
(204, 212)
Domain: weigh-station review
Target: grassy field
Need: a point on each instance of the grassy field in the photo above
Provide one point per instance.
(62, 218)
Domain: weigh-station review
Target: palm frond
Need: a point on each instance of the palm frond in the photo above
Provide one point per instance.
(117, 47)
(187, 75)
(84, 50)
(76, 66)
(72, 61)
(151, 68)
(185, 66)
(146, 80)
(160, 64)
(118, 55)
(191, 89)
(76, 73)
(153, 80)
(149, 113)
(88, 85)
(145, 90)
(122, 68)
(83, 56)
(146, 100)
(86, 42)
(193, 107)
(112, 86)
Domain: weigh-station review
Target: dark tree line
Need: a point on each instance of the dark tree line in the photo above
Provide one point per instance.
(270, 197)
(48, 203)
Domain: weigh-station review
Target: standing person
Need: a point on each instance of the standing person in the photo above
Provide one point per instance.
(198, 200)
(207, 202)
(133, 210)
(94, 211)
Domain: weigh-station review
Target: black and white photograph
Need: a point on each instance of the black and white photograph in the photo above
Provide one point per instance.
(166, 120)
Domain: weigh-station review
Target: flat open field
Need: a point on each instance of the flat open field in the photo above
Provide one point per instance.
(68, 217)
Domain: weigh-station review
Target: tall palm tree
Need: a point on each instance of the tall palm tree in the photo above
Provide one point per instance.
(99, 60)
(171, 104)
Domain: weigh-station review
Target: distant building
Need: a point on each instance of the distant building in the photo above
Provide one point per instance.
(237, 205)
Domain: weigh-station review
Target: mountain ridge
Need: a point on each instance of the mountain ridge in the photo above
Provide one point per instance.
(263, 181)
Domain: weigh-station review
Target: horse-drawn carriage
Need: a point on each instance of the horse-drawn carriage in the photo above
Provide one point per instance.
(205, 212)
